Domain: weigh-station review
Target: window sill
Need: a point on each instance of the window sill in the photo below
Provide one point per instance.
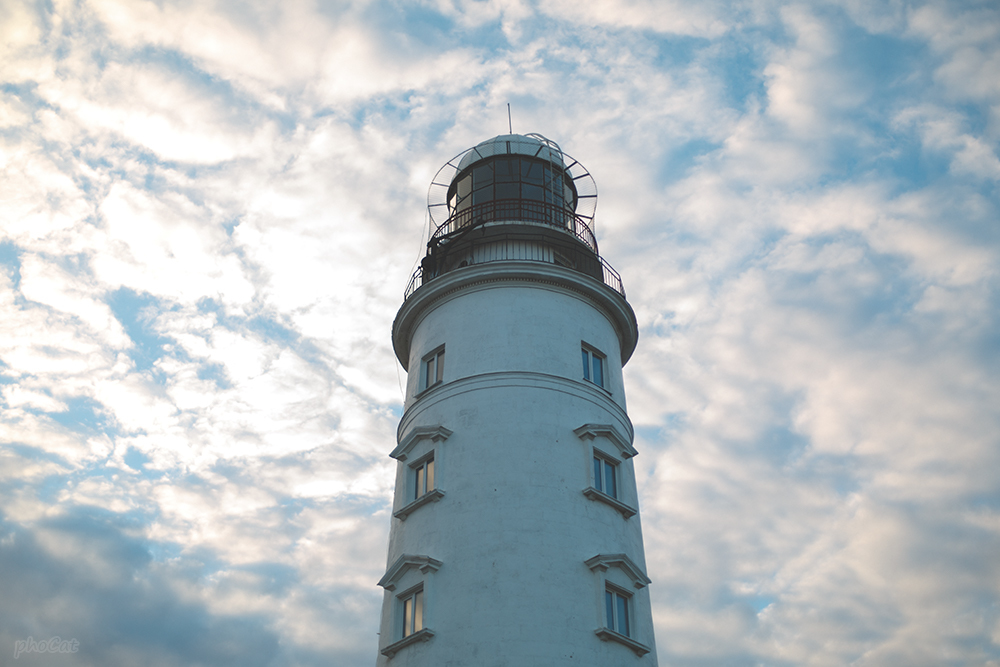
(429, 497)
(418, 636)
(594, 494)
(609, 635)
(427, 389)
(598, 386)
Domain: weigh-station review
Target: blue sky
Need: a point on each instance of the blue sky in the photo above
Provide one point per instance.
(209, 212)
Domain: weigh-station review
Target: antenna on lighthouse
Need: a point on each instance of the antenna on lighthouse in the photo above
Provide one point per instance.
(509, 125)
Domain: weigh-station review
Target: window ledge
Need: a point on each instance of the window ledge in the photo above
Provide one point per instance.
(418, 636)
(428, 389)
(594, 494)
(429, 497)
(609, 635)
(598, 386)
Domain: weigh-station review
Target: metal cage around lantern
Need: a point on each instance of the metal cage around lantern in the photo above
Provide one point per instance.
(520, 182)
(528, 168)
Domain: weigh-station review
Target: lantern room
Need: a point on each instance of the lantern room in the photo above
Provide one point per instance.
(513, 198)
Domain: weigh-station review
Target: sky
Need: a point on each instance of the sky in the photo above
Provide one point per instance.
(209, 211)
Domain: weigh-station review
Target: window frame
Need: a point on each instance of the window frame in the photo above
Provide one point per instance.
(618, 576)
(431, 366)
(597, 488)
(618, 602)
(603, 465)
(594, 363)
(414, 444)
(421, 477)
(413, 596)
(482, 182)
(411, 573)
(413, 498)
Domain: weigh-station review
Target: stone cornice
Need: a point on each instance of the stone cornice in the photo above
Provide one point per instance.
(622, 562)
(620, 440)
(627, 511)
(437, 433)
(608, 635)
(424, 563)
(528, 379)
(430, 497)
(553, 276)
(419, 636)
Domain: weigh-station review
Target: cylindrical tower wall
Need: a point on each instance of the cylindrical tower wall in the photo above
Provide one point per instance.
(526, 552)
(515, 325)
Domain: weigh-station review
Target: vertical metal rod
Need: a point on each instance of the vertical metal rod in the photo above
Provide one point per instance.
(510, 126)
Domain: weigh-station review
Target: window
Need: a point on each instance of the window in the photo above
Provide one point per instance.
(420, 474)
(610, 478)
(423, 478)
(404, 622)
(605, 486)
(412, 608)
(432, 369)
(605, 476)
(511, 177)
(593, 366)
(621, 584)
(616, 603)
(421, 486)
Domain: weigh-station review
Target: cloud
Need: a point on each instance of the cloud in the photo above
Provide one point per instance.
(209, 213)
(701, 20)
(86, 578)
(941, 131)
(966, 40)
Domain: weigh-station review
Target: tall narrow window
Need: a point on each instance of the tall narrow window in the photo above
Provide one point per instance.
(617, 609)
(605, 476)
(593, 366)
(413, 612)
(432, 371)
(423, 478)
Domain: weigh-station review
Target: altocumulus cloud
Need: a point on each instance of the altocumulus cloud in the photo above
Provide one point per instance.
(209, 211)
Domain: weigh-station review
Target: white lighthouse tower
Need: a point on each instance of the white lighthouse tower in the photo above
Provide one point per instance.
(515, 538)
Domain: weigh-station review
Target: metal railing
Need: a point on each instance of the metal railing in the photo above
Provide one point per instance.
(525, 211)
(521, 210)
(609, 276)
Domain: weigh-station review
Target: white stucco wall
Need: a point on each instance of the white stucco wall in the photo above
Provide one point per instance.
(503, 326)
(514, 528)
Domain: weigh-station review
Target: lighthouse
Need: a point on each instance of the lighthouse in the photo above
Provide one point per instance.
(515, 537)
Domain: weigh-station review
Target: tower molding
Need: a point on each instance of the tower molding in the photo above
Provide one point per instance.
(435, 433)
(622, 442)
(405, 562)
(602, 562)
(503, 273)
(523, 379)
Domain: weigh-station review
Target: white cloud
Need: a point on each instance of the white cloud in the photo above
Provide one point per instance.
(810, 256)
(22, 35)
(167, 246)
(53, 286)
(702, 20)
(941, 132)
(966, 37)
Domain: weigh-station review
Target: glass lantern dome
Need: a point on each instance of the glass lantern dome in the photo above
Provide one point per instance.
(512, 177)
